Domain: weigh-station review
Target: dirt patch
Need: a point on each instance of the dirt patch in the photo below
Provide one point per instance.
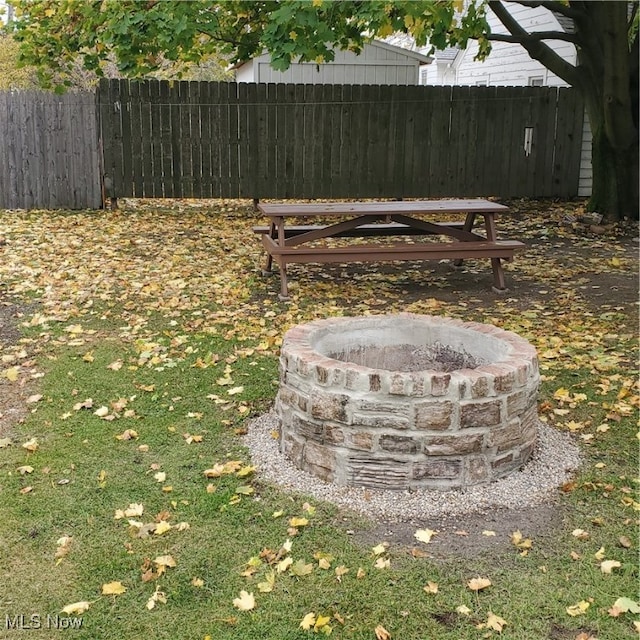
(469, 535)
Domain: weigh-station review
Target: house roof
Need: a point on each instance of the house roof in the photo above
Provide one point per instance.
(379, 44)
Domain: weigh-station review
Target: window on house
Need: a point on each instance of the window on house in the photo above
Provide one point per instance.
(536, 81)
(423, 75)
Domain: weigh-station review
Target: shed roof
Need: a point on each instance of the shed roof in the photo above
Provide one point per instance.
(414, 55)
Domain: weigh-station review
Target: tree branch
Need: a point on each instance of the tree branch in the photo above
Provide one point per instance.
(537, 49)
(551, 5)
(536, 35)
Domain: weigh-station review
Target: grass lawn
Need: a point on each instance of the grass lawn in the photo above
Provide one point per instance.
(135, 346)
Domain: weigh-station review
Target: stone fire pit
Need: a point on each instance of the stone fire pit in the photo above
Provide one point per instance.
(407, 401)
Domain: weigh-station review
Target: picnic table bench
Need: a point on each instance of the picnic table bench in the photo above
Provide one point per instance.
(287, 243)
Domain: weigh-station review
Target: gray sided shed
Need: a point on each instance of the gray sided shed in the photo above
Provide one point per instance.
(379, 63)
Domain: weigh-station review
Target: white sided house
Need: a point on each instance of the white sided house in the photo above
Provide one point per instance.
(510, 65)
(379, 63)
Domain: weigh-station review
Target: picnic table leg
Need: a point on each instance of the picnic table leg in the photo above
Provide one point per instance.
(468, 226)
(496, 265)
(268, 264)
(284, 288)
(498, 276)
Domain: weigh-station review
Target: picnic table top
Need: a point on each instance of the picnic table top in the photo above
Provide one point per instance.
(291, 209)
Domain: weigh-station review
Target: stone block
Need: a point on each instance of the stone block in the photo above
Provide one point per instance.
(380, 421)
(329, 406)
(477, 470)
(319, 456)
(480, 414)
(436, 416)
(306, 428)
(377, 473)
(453, 444)
(506, 437)
(399, 444)
(361, 440)
(440, 384)
(437, 468)
(333, 434)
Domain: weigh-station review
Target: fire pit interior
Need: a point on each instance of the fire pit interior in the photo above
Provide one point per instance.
(407, 401)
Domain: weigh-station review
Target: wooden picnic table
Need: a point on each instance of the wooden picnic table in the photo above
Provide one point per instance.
(286, 242)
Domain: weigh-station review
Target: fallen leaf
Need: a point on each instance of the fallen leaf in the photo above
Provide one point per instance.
(578, 609)
(477, 584)
(157, 596)
(609, 565)
(627, 605)
(380, 548)
(76, 608)
(599, 554)
(197, 582)
(298, 522)
(113, 589)
(245, 602)
(431, 587)
(581, 534)
(308, 621)
(382, 633)
(463, 610)
(31, 445)
(300, 569)
(5, 442)
(382, 563)
(24, 469)
(495, 622)
(424, 535)
(268, 584)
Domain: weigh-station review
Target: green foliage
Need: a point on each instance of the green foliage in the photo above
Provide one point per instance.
(12, 74)
(141, 35)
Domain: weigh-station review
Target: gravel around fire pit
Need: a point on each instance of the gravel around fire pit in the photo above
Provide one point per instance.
(552, 463)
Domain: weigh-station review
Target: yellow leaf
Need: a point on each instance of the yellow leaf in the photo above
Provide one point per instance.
(477, 584)
(298, 522)
(76, 608)
(162, 527)
(382, 563)
(161, 476)
(609, 565)
(578, 609)
(520, 542)
(24, 469)
(101, 412)
(431, 587)
(382, 633)
(31, 445)
(268, 584)
(321, 621)
(424, 535)
(165, 561)
(11, 374)
(487, 532)
(308, 621)
(197, 582)
(463, 609)
(245, 602)
(495, 622)
(300, 569)
(235, 391)
(599, 554)
(283, 565)
(581, 534)
(113, 589)
(379, 548)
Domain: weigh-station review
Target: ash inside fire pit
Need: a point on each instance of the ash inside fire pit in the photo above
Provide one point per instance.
(409, 357)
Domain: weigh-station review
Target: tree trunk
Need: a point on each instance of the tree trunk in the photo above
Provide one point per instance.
(615, 174)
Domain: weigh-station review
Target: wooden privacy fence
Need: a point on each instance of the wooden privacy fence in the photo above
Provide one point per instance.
(48, 151)
(208, 139)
